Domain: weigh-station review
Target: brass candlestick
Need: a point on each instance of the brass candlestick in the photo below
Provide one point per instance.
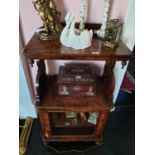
(51, 19)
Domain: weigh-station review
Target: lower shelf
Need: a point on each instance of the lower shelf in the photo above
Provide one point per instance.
(54, 127)
(62, 125)
(73, 131)
(60, 120)
(51, 101)
(70, 138)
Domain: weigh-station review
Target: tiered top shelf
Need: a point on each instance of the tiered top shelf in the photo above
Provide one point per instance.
(37, 49)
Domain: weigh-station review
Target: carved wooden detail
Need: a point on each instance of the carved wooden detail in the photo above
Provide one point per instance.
(46, 124)
(40, 80)
(123, 64)
(108, 68)
(31, 62)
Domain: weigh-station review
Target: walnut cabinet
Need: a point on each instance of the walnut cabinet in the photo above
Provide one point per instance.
(49, 104)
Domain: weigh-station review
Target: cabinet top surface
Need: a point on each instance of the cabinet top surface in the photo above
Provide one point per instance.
(37, 49)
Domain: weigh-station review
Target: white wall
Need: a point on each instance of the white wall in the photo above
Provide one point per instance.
(128, 37)
(26, 108)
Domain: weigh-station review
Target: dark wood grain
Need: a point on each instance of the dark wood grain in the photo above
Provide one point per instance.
(37, 49)
(74, 138)
(73, 131)
(45, 123)
(101, 122)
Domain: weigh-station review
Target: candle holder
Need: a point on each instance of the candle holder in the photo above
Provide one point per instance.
(83, 8)
(101, 32)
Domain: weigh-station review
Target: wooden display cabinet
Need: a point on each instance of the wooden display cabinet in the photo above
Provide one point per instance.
(49, 104)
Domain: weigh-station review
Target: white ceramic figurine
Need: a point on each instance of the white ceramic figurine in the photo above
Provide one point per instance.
(72, 37)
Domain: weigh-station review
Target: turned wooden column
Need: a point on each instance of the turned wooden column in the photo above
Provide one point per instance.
(109, 80)
(101, 122)
(40, 84)
(109, 86)
(45, 124)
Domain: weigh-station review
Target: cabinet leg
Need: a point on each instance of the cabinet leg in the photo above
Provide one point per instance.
(45, 124)
(46, 142)
(101, 122)
(109, 80)
(98, 142)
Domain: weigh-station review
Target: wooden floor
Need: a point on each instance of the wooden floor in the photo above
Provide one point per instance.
(118, 137)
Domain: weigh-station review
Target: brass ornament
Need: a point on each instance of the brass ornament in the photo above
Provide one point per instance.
(51, 19)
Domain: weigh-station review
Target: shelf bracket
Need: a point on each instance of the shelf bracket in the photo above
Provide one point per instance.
(40, 80)
(108, 69)
(31, 62)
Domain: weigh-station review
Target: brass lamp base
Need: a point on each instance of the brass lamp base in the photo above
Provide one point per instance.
(44, 35)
